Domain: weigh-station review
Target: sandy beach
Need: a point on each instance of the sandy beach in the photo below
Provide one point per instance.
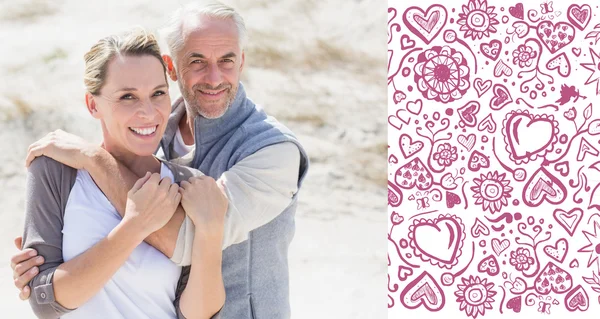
(317, 66)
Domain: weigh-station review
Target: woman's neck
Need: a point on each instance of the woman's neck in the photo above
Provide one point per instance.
(139, 165)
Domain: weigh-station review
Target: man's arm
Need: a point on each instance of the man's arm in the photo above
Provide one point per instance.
(115, 180)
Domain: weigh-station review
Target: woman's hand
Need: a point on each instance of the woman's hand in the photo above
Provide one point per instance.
(205, 203)
(151, 203)
(63, 147)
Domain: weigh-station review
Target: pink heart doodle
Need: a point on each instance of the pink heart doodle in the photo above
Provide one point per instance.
(568, 220)
(560, 63)
(576, 51)
(406, 42)
(408, 147)
(500, 246)
(423, 291)
(467, 142)
(479, 229)
(577, 299)
(501, 97)
(426, 25)
(394, 195)
(414, 173)
(452, 199)
(520, 124)
(482, 87)
(468, 112)
(415, 107)
(580, 16)
(491, 50)
(398, 120)
(502, 69)
(514, 304)
(553, 279)
(559, 251)
(449, 235)
(487, 124)
(517, 11)
(489, 265)
(393, 159)
(563, 168)
(478, 161)
(574, 263)
(543, 186)
(555, 36)
(404, 272)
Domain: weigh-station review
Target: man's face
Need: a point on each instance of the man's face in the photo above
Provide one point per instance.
(209, 65)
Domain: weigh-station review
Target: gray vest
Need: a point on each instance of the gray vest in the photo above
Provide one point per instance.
(255, 272)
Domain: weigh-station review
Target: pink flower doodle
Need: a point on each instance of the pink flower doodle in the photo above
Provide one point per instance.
(442, 74)
(524, 56)
(491, 191)
(477, 19)
(475, 295)
(521, 259)
(445, 155)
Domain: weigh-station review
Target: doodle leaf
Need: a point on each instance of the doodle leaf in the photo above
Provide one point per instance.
(596, 279)
(588, 112)
(589, 280)
(596, 289)
(591, 34)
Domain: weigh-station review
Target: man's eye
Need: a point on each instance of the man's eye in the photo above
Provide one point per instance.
(228, 60)
(196, 61)
(127, 97)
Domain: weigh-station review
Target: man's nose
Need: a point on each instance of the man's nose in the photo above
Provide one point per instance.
(214, 76)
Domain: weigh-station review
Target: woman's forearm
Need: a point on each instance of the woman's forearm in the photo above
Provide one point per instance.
(204, 294)
(79, 279)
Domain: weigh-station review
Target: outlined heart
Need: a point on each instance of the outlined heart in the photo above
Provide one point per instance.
(555, 36)
(404, 272)
(467, 141)
(580, 16)
(489, 265)
(500, 246)
(576, 51)
(543, 186)
(479, 229)
(406, 42)
(415, 107)
(399, 120)
(568, 220)
(468, 113)
(559, 251)
(519, 125)
(562, 168)
(423, 291)
(482, 87)
(477, 161)
(408, 147)
(425, 25)
(577, 299)
(488, 124)
(492, 49)
(561, 63)
(449, 236)
(501, 97)
(393, 159)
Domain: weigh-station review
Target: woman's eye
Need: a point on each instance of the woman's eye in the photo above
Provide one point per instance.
(127, 97)
(159, 93)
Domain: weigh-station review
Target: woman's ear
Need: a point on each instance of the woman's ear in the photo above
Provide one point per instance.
(92, 107)
(170, 67)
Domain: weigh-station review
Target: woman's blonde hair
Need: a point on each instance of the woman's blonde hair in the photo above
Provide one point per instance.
(136, 42)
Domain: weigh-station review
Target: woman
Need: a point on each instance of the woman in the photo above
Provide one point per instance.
(97, 264)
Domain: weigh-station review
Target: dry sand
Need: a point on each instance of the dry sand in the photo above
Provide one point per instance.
(318, 66)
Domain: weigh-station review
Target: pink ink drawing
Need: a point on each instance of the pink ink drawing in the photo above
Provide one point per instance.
(568, 220)
(519, 124)
(408, 147)
(562, 64)
(442, 74)
(553, 279)
(555, 36)
(425, 24)
(567, 93)
(579, 16)
(492, 191)
(577, 299)
(593, 248)
(423, 291)
(444, 254)
(491, 50)
(468, 113)
(559, 251)
(475, 295)
(501, 97)
(482, 87)
(477, 19)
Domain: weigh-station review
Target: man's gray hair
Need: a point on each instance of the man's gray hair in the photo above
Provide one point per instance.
(173, 31)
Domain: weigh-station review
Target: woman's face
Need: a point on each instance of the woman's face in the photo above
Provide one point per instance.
(133, 105)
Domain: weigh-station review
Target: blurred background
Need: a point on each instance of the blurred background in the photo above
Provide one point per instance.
(317, 66)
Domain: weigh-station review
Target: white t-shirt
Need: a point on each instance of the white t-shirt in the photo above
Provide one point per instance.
(179, 145)
(144, 287)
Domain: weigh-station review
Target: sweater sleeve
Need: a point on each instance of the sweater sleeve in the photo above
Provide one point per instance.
(48, 187)
(258, 188)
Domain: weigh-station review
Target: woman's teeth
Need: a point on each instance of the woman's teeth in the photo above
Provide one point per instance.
(144, 131)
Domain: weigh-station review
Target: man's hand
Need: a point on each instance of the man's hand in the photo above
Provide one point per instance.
(24, 265)
(205, 203)
(63, 147)
(151, 203)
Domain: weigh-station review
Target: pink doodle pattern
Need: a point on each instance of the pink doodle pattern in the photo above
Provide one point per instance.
(494, 168)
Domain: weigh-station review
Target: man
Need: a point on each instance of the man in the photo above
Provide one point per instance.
(215, 128)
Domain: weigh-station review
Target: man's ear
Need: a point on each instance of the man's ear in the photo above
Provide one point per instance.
(170, 67)
(90, 102)
(243, 60)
